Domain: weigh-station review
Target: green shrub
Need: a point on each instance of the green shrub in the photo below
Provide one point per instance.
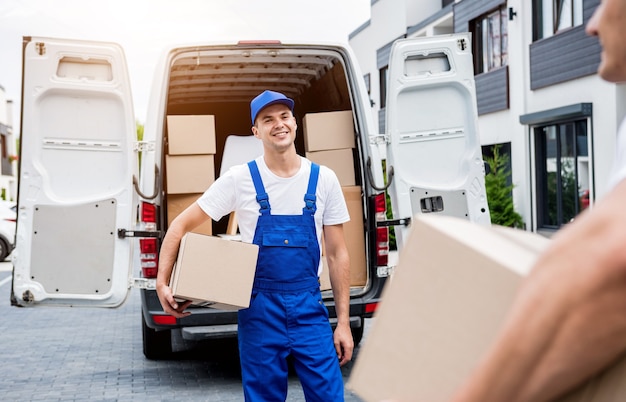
(499, 197)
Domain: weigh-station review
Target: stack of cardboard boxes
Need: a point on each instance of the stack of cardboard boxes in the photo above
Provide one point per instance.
(329, 141)
(209, 271)
(189, 163)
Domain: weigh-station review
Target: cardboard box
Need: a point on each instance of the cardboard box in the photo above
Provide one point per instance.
(354, 234)
(177, 203)
(215, 272)
(191, 134)
(341, 161)
(328, 130)
(443, 307)
(189, 173)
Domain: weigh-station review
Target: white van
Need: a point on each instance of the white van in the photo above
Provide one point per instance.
(94, 202)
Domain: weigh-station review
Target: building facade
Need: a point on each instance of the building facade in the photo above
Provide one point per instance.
(538, 95)
(8, 150)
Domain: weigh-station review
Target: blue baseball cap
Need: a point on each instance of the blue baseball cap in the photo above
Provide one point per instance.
(267, 98)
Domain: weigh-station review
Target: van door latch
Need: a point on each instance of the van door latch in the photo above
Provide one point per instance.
(124, 233)
(393, 222)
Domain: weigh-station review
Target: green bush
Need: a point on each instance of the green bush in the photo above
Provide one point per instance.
(499, 198)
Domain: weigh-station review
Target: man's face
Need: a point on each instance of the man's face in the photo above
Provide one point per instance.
(609, 25)
(276, 127)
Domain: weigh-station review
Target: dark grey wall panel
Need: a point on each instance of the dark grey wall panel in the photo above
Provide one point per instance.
(382, 54)
(492, 90)
(563, 57)
(467, 10)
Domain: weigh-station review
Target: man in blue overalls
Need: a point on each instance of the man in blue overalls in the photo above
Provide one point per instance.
(282, 201)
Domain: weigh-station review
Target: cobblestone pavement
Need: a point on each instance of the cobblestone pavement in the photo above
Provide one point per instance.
(92, 354)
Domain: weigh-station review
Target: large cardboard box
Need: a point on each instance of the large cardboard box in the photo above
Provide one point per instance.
(189, 173)
(354, 234)
(451, 291)
(328, 130)
(214, 272)
(191, 134)
(341, 161)
(177, 203)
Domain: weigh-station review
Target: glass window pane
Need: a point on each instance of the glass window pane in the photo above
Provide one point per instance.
(564, 13)
(551, 183)
(569, 182)
(504, 37)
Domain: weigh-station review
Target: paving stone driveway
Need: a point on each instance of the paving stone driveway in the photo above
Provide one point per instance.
(86, 354)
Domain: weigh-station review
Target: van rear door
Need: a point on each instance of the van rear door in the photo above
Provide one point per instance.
(433, 145)
(76, 173)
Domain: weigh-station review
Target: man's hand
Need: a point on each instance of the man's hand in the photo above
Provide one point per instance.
(344, 344)
(169, 304)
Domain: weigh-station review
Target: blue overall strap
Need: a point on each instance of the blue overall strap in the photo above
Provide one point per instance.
(309, 197)
(261, 196)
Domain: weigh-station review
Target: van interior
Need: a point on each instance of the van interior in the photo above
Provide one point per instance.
(221, 82)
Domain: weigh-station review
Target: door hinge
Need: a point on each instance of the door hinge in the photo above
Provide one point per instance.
(124, 233)
(143, 283)
(379, 139)
(394, 222)
(144, 146)
(384, 272)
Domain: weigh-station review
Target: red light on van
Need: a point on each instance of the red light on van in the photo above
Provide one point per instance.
(149, 247)
(164, 319)
(371, 307)
(149, 257)
(382, 234)
(148, 212)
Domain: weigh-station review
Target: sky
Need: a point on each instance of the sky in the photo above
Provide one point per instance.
(144, 28)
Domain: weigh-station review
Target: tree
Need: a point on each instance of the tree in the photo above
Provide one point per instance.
(499, 191)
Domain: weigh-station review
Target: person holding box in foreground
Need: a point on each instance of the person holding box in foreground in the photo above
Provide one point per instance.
(282, 201)
(568, 320)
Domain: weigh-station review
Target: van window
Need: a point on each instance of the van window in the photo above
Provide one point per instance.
(74, 68)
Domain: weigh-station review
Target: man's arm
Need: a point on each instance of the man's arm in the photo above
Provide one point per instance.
(190, 218)
(569, 318)
(339, 273)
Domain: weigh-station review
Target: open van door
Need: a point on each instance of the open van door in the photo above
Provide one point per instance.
(75, 176)
(433, 142)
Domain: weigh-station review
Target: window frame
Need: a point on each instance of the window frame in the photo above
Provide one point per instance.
(483, 63)
(547, 14)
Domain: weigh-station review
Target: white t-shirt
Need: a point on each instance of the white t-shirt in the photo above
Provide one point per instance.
(619, 166)
(234, 191)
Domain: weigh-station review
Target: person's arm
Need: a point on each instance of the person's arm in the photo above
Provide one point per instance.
(339, 273)
(568, 320)
(190, 218)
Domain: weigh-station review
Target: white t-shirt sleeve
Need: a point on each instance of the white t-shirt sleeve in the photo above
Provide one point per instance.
(220, 198)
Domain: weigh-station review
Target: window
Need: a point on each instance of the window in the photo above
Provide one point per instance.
(368, 84)
(491, 44)
(553, 16)
(383, 78)
(563, 172)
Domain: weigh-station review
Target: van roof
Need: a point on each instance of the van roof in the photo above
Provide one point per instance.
(202, 73)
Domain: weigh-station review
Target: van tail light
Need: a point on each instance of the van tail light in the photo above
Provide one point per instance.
(148, 247)
(382, 233)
